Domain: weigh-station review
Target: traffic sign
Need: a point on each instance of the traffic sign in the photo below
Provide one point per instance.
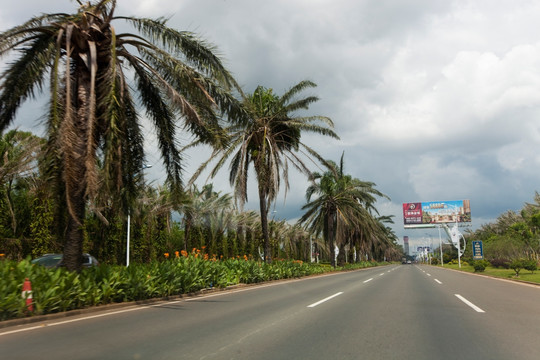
(478, 250)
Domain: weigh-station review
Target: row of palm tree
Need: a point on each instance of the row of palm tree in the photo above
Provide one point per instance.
(204, 219)
(100, 82)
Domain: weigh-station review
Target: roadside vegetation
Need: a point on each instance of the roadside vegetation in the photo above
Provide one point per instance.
(511, 246)
(56, 290)
(505, 273)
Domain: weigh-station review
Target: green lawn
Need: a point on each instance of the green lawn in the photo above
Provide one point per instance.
(524, 275)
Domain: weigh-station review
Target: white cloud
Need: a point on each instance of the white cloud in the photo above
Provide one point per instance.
(433, 100)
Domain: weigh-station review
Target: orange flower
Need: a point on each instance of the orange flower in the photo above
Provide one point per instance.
(205, 256)
(245, 257)
(177, 254)
(184, 253)
(166, 255)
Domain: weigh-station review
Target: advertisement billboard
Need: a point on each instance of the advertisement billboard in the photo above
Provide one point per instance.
(429, 214)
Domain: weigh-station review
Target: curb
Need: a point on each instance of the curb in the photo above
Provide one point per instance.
(516, 281)
(114, 306)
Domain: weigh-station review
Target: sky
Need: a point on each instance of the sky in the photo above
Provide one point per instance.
(433, 100)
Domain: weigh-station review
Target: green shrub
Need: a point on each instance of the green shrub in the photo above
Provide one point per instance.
(530, 265)
(500, 262)
(56, 290)
(517, 265)
(480, 265)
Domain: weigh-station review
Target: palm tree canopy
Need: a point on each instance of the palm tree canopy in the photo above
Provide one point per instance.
(270, 139)
(175, 74)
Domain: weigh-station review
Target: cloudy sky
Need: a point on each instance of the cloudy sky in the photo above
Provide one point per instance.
(433, 99)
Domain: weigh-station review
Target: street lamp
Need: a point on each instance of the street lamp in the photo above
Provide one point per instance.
(129, 223)
(440, 244)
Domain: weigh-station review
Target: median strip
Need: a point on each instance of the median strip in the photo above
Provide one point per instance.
(324, 300)
(476, 308)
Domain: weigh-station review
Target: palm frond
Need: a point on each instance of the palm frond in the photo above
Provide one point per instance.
(24, 76)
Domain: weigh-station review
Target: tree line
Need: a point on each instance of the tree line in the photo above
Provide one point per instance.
(514, 235)
(203, 219)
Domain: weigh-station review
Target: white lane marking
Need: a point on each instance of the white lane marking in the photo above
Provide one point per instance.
(368, 280)
(428, 274)
(438, 281)
(137, 308)
(476, 308)
(381, 274)
(41, 326)
(325, 300)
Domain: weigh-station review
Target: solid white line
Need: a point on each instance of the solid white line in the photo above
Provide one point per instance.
(324, 300)
(438, 281)
(368, 280)
(71, 320)
(476, 308)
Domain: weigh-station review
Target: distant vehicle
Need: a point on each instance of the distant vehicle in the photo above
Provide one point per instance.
(55, 260)
(409, 262)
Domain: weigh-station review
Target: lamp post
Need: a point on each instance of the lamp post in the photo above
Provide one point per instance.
(440, 244)
(129, 225)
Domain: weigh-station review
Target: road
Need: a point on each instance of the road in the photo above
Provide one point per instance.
(392, 312)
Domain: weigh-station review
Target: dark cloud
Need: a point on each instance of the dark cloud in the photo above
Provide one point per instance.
(433, 100)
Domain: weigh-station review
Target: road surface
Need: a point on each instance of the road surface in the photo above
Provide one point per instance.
(391, 312)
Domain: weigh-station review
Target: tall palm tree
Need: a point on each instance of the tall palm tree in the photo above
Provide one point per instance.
(92, 112)
(341, 205)
(269, 140)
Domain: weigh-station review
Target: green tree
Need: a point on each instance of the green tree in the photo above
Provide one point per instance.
(268, 140)
(92, 112)
(19, 152)
(339, 206)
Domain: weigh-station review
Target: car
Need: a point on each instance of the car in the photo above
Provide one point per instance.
(55, 260)
(409, 262)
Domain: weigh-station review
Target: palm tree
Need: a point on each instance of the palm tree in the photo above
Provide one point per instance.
(92, 112)
(269, 140)
(341, 205)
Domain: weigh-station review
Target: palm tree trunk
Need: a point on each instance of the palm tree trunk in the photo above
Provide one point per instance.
(74, 232)
(187, 233)
(264, 224)
(330, 227)
(75, 174)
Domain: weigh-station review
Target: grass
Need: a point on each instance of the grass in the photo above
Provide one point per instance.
(524, 275)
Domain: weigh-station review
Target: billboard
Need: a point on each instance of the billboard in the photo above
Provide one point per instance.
(429, 214)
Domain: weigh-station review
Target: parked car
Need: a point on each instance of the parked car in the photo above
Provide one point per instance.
(55, 260)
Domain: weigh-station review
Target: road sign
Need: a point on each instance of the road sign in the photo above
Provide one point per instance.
(478, 250)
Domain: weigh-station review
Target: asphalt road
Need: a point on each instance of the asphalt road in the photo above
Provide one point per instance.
(393, 312)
